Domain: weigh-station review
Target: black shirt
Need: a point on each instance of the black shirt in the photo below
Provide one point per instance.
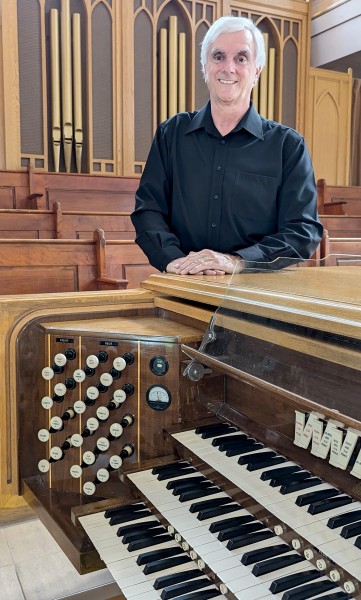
(251, 192)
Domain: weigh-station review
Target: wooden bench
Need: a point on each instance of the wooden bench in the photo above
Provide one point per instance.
(34, 266)
(82, 192)
(340, 226)
(338, 199)
(337, 251)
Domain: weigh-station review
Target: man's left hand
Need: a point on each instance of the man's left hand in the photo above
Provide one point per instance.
(206, 262)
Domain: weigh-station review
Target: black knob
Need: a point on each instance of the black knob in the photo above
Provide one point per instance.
(70, 353)
(128, 388)
(129, 358)
(89, 401)
(70, 383)
(102, 388)
(68, 414)
(89, 372)
(53, 430)
(115, 373)
(102, 356)
(57, 398)
(127, 451)
(87, 432)
(57, 369)
(127, 420)
(66, 445)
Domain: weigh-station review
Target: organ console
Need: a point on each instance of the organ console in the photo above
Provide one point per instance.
(205, 443)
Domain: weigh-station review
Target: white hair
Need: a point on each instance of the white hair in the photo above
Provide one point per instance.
(230, 25)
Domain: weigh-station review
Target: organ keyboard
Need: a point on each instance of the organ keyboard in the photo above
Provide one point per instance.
(207, 445)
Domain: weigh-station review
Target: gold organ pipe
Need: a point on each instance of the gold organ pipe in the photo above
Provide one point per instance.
(163, 74)
(271, 83)
(263, 83)
(172, 66)
(78, 114)
(66, 72)
(55, 87)
(182, 72)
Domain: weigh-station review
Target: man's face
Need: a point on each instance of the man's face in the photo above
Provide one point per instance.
(231, 72)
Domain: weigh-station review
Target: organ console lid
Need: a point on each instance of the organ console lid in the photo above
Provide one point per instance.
(293, 331)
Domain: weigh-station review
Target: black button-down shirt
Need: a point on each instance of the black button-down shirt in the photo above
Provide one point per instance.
(251, 192)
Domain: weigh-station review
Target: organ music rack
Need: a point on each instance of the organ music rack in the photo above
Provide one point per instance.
(256, 349)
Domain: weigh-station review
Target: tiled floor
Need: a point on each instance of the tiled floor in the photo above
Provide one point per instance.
(33, 567)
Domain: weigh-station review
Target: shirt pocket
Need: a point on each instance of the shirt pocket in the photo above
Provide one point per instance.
(254, 197)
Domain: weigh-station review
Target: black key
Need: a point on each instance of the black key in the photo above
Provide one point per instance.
(170, 466)
(124, 518)
(358, 542)
(235, 449)
(305, 499)
(274, 564)
(340, 520)
(152, 555)
(250, 538)
(290, 581)
(249, 558)
(309, 590)
(201, 594)
(184, 588)
(289, 488)
(232, 522)
(329, 504)
(256, 457)
(175, 473)
(274, 473)
(224, 438)
(166, 563)
(123, 529)
(207, 435)
(277, 460)
(173, 578)
(214, 426)
(201, 485)
(140, 535)
(192, 495)
(149, 541)
(128, 508)
(351, 530)
(209, 513)
(235, 532)
(213, 503)
(290, 478)
(196, 478)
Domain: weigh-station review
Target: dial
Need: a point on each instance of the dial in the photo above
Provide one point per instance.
(158, 365)
(158, 397)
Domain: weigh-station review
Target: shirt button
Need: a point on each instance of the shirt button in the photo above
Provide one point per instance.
(219, 168)
(215, 197)
(214, 225)
(223, 141)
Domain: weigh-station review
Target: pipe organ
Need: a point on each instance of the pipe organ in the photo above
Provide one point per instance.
(133, 59)
(203, 441)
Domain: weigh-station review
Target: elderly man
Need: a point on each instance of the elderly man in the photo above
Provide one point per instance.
(223, 188)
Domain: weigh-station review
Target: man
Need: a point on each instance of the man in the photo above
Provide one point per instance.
(224, 189)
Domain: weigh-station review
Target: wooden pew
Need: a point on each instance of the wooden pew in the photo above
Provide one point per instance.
(82, 192)
(35, 266)
(340, 226)
(80, 224)
(30, 224)
(14, 189)
(338, 199)
(337, 251)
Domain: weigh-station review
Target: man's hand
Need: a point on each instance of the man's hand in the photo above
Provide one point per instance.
(206, 262)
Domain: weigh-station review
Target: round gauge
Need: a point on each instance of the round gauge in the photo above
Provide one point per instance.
(158, 365)
(158, 397)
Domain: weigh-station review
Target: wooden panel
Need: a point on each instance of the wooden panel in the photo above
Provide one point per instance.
(338, 199)
(38, 280)
(339, 226)
(84, 192)
(82, 225)
(14, 189)
(328, 124)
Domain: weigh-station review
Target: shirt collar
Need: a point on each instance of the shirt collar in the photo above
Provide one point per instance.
(251, 121)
